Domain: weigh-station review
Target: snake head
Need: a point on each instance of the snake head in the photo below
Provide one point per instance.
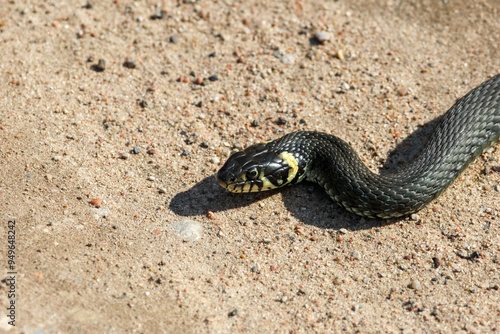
(257, 168)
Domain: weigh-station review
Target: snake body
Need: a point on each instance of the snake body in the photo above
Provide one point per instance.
(467, 129)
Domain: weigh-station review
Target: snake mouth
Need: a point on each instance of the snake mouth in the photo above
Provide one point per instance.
(237, 184)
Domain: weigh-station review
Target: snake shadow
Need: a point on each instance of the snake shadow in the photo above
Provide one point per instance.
(307, 201)
(208, 195)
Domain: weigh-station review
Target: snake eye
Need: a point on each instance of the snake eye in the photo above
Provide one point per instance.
(252, 174)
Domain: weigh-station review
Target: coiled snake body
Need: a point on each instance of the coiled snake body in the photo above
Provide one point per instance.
(467, 129)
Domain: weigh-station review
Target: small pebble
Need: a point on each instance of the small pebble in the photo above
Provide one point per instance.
(340, 55)
(152, 151)
(101, 65)
(402, 91)
(415, 217)
(213, 78)
(281, 120)
(162, 190)
(143, 104)
(188, 230)
(173, 39)
(357, 307)
(322, 36)
(233, 313)
(215, 160)
(212, 55)
(129, 64)
(136, 150)
(96, 201)
(463, 253)
(287, 58)
(186, 153)
(56, 158)
(125, 156)
(356, 255)
(344, 87)
(343, 231)
(255, 268)
(255, 123)
(415, 285)
(157, 16)
(470, 328)
(310, 55)
(151, 178)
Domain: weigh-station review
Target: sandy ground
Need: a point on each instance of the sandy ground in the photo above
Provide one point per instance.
(101, 163)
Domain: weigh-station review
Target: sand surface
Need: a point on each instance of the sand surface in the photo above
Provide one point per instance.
(101, 162)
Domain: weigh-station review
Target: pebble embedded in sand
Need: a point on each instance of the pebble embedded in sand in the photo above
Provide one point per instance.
(188, 230)
(322, 36)
(415, 284)
(287, 58)
(96, 201)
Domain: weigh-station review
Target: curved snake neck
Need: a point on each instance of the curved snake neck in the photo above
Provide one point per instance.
(465, 131)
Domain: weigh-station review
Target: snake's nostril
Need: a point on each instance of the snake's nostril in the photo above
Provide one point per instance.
(225, 177)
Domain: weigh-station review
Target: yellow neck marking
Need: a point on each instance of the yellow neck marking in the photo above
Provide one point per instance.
(292, 162)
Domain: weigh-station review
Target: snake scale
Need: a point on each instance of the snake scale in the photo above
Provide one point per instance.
(466, 130)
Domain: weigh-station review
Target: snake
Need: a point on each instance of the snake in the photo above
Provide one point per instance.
(465, 131)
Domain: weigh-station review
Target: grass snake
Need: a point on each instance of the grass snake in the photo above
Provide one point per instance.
(467, 129)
